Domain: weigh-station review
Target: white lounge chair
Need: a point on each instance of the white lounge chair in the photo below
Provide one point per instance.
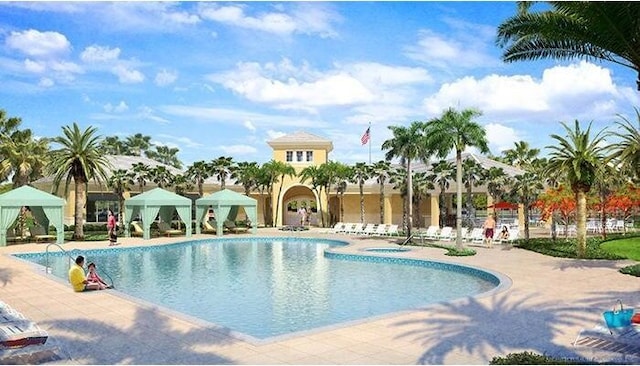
(339, 226)
(476, 236)
(445, 233)
(356, 228)
(21, 334)
(381, 230)
(431, 233)
(368, 230)
(392, 230)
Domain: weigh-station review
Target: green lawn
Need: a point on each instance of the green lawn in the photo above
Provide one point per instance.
(628, 247)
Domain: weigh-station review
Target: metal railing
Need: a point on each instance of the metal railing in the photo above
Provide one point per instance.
(71, 260)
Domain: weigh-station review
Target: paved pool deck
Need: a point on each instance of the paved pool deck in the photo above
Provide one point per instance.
(549, 300)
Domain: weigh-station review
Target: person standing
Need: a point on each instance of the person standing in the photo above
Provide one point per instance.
(111, 228)
(489, 227)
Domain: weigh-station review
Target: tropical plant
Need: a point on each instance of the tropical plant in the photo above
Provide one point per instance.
(526, 187)
(408, 144)
(342, 178)
(398, 179)
(142, 173)
(112, 145)
(578, 157)
(121, 181)
(198, 172)
(137, 144)
(78, 158)
(315, 175)
(444, 173)
(472, 173)
(495, 177)
(331, 174)
(8, 125)
(246, 174)
(23, 156)
(455, 130)
(221, 169)
(380, 171)
(573, 29)
(165, 155)
(181, 184)
(626, 152)
(422, 183)
(161, 176)
(360, 173)
(283, 170)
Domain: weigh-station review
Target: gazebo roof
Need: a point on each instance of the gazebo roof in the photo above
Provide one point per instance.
(227, 197)
(158, 196)
(29, 196)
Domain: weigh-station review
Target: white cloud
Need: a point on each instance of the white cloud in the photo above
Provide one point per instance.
(38, 44)
(164, 77)
(120, 108)
(305, 18)
(249, 125)
(272, 135)
(501, 137)
(127, 75)
(182, 141)
(46, 83)
(36, 67)
(446, 51)
(99, 54)
(576, 90)
(237, 149)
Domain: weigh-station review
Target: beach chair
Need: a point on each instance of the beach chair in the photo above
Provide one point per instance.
(233, 228)
(38, 233)
(21, 334)
(209, 227)
(381, 230)
(431, 233)
(476, 236)
(165, 229)
(137, 229)
(356, 228)
(368, 230)
(463, 233)
(336, 228)
(392, 230)
(445, 233)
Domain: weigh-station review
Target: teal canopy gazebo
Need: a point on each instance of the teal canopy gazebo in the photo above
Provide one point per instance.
(150, 203)
(226, 204)
(46, 208)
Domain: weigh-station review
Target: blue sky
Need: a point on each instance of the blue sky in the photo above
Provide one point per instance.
(223, 78)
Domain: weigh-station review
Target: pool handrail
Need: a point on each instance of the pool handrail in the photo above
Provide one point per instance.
(61, 248)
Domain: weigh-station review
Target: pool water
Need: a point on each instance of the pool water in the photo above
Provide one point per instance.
(270, 287)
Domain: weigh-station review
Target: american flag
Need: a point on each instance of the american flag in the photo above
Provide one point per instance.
(367, 135)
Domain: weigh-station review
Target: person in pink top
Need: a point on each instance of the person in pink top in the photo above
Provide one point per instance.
(94, 278)
(111, 229)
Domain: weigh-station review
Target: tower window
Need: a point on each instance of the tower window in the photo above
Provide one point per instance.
(289, 156)
(298, 155)
(309, 155)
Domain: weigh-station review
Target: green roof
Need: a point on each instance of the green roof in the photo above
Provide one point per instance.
(29, 196)
(226, 197)
(158, 196)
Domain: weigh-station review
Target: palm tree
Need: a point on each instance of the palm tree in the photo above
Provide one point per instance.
(574, 29)
(138, 144)
(142, 173)
(246, 174)
(198, 172)
(422, 183)
(360, 173)
(343, 174)
(23, 156)
(112, 145)
(317, 178)
(521, 156)
(79, 158)
(161, 176)
(408, 143)
(221, 169)
(444, 172)
(578, 157)
(331, 173)
(8, 126)
(165, 155)
(526, 187)
(455, 131)
(472, 174)
(181, 184)
(380, 171)
(495, 179)
(121, 181)
(627, 151)
(398, 177)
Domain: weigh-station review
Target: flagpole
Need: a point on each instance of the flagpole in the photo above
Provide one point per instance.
(369, 143)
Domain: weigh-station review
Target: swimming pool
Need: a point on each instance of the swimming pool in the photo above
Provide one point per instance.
(267, 287)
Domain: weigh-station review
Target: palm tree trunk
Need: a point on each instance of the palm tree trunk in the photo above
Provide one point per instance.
(78, 219)
(381, 203)
(320, 205)
(200, 188)
(278, 201)
(459, 199)
(582, 223)
(341, 207)
(603, 214)
(526, 219)
(409, 198)
(361, 202)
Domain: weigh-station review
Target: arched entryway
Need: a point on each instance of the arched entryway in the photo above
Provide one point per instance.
(297, 197)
